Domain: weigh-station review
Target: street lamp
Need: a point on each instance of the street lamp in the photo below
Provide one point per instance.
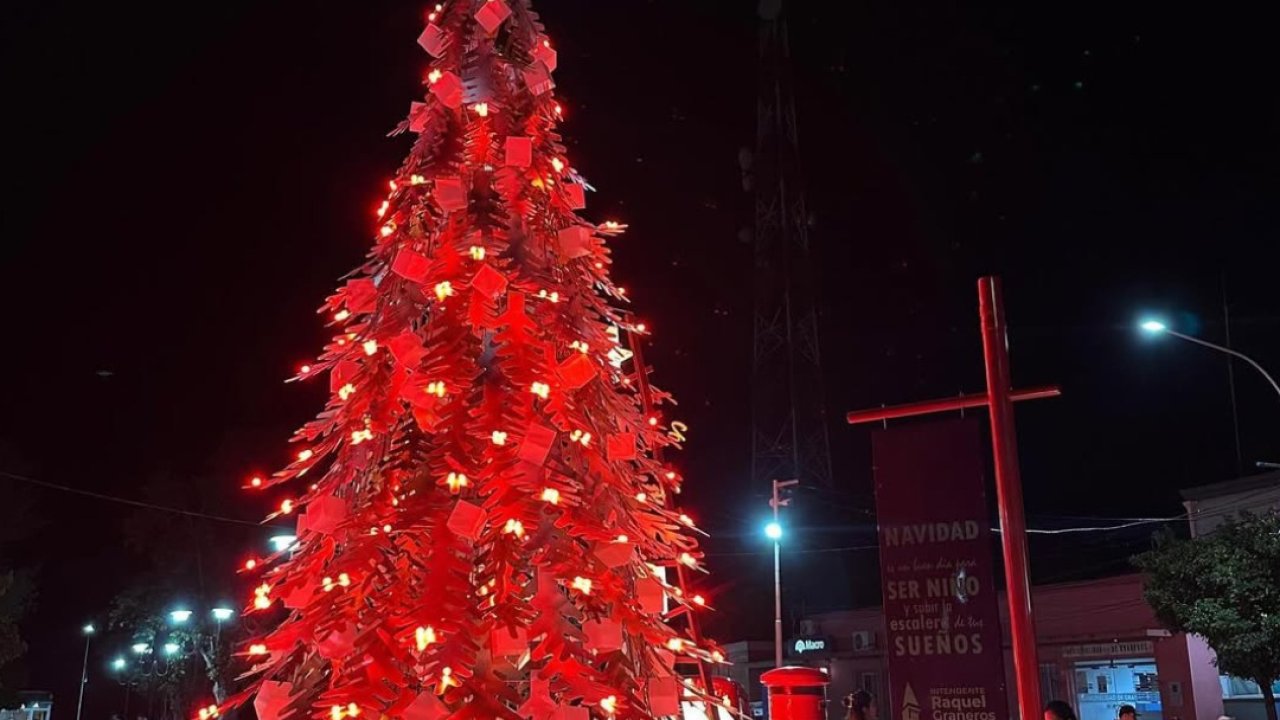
(88, 631)
(222, 614)
(1155, 327)
(118, 664)
(180, 616)
(280, 543)
(774, 531)
(141, 648)
(171, 648)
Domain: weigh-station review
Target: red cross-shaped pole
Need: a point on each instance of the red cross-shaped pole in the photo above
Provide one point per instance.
(999, 399)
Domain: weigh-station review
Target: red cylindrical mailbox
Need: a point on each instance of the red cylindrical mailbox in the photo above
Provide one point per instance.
(796, 693)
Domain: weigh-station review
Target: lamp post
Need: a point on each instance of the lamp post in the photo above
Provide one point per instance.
(774, 531)
(88, 631)
(1155, 327)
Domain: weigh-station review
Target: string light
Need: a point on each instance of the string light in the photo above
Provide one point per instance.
(424, 636)
(344, 580)
(675, 644)
(611, 225)
(342, 315)
(641, 497)
(257, 649)
(582, 585)
(717, 656)
(498, 437)
(686, 519)
(447, 680)
(286, 507)
(416, 179)
(580, 436)
(345, 391)
(455, 481)
(557, 164)
(261, 599)
(304, 370)
(250, 564)
(387, 229)
(477, 252)
(392, 184)
(437, 388)
(382, 209)
(444, 290)
(255, 481)
(370, 346)
(327, 584)
(579, 346)
(641, 327)
(359, 436)
(551, 495)
(386, 528)
(621, 538)
(305, 455)
(687, 559)
(514, 527)
(698, 600)
(434, 76)
(481, 109)
(609, 704)
(552, 296)
(540, 389)
(653, 421)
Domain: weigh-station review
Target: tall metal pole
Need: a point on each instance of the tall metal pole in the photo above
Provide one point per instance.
(777, 586)
(84, 670)
(1013, 535)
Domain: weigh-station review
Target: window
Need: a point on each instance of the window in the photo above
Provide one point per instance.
(1050, 681)
(1233, 687)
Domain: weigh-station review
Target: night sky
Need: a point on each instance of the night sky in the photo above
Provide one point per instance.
(184, 184)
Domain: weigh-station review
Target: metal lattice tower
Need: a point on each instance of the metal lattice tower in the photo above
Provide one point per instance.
(789, 432)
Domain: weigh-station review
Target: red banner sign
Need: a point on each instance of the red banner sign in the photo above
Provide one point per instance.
(943, 625)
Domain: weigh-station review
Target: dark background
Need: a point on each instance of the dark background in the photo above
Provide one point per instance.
(184, 183)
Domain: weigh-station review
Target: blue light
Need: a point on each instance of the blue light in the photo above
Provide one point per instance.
(773, 530)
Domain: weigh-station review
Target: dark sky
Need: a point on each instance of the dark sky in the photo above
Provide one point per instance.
(185, 183)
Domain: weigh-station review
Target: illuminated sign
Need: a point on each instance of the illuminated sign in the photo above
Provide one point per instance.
(805, 645)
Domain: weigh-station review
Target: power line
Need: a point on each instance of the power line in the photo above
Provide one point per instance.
(128, 501)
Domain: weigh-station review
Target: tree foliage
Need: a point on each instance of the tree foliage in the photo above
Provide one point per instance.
(1225, 588)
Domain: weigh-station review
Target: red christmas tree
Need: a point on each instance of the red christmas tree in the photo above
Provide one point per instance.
(487, 519)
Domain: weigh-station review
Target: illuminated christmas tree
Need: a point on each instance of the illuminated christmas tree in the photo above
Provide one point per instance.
(485, 521)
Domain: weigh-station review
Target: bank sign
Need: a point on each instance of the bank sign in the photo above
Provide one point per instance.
(942, 623)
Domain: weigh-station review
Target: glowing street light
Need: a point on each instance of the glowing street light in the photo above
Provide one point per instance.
(141, 648)
(1155, 327)
(180, 616)
(118, 664)
(171, 648)
(773, 531)
(222, 614)
(88, 631)
(280, 543)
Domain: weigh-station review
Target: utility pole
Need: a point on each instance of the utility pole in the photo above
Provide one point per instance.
(775, 531)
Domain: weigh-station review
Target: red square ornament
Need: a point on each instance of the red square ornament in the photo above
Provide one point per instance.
(451, 194)
(418, 116)
(575, 241)
(407, 349)
(448, 90)
(492, 14)
(536, 444)
(489, 282)
(603, 635)
(467, 520)
(664, 696)
(615, 554)
(324, 514)
(518, 151)
(410, 265)
(545, 55)
(538, 80)
(652, 596)
(361, 295)
(425, 707)
(271, 700)
(622, 446)
(576, 371)
(575, 195)
(508, 641)
(432, 40)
